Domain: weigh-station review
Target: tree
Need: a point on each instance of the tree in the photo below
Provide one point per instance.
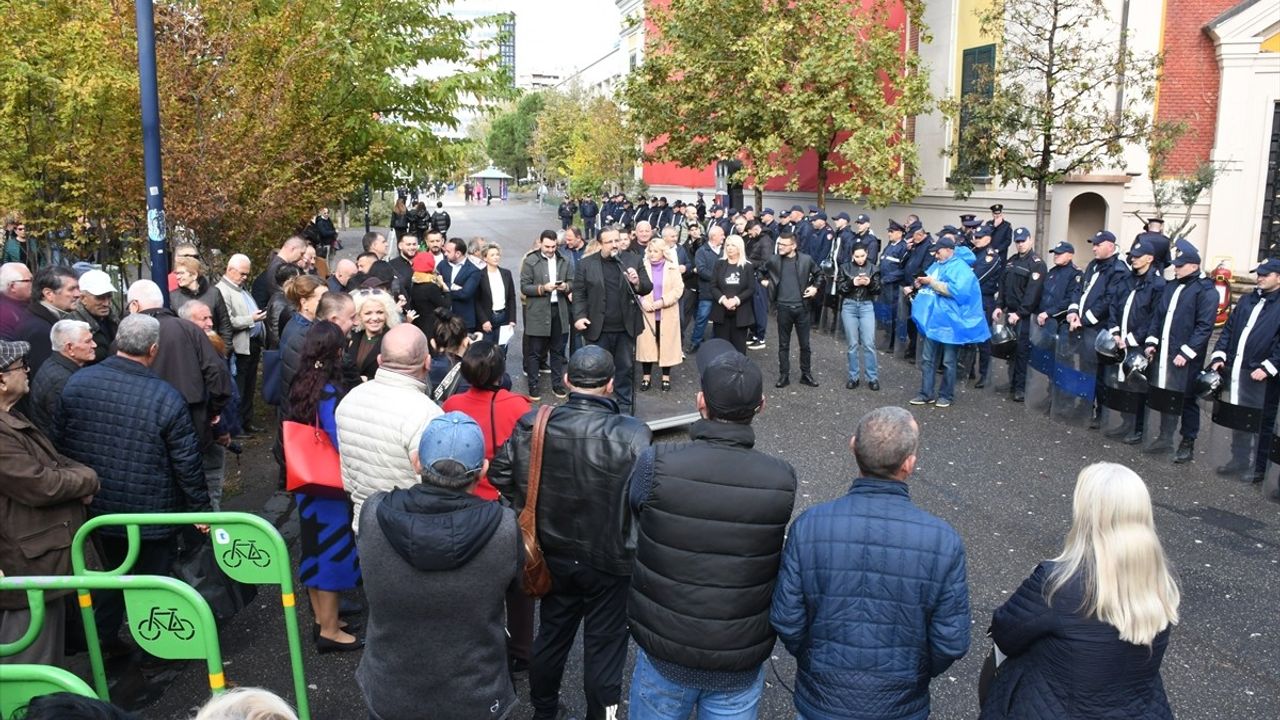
(1065, 96)
(511, 134)
(585, 141)
(261, 122)
(764, 89)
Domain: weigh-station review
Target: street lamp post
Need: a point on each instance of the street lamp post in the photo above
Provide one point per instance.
(157, 229)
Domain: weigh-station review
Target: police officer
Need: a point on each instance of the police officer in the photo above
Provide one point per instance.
(770, 223)
(1019, 298)
(843, 249)
(892, 276)
(1001, 231)
(664, 215)
(1105, 278)
(919, 258)
(863, 236)
(988, 266)
(818, 244)
(1160, 242)
(1060, 286)
(1178, 335)
(1130, 317)
(968, 223)
(589, 211)
(794, 222)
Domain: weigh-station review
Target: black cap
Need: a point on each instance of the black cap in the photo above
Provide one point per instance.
(997, 209)
(732, 385)
(895, 225)
(591, 367)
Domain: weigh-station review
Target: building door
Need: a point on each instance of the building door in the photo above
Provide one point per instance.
(1269, 237)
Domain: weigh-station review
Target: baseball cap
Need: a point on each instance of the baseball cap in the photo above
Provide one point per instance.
(749, 208)
(863, 218)
(1063, 247)
(1141, 248)
(842, 216)
(984, 230)
(12, 351)
(1020, 234)
(767, 211)
(1268, 267)
(946, 241)
(819, 215)
(96, 282)
(813, 208)
(1103, 236)
(732, 385)
(591, 366)
(452, 436)
(796, 208)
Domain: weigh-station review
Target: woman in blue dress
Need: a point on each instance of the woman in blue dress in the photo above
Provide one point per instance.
(329, 564)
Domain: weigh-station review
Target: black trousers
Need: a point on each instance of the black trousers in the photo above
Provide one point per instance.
(247, 380)
(1018, 368)
(623, 349)
(155, 557)
(580, 594)
(737, 336)
(797, 317)
(537, 348)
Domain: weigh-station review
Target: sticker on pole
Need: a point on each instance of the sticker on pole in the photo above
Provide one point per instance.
(165, 624)
(157, 230)
(247, 554)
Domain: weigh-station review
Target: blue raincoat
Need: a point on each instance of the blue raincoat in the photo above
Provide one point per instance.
(956, 318)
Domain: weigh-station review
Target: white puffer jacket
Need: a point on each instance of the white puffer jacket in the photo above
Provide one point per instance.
(379, 425)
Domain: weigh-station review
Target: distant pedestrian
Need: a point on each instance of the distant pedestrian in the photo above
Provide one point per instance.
(872, 598)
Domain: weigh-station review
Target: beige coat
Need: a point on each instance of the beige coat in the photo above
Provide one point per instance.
(672, 288)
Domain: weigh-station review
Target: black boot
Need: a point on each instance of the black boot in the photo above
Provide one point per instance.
(1162, 444)
(1235, 467)
(1124, 429)
(1186, 451)
(783, 381)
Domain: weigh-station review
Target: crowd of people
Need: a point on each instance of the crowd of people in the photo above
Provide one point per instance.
(440, 509)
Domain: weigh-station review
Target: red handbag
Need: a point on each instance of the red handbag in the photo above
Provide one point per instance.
(311, 461)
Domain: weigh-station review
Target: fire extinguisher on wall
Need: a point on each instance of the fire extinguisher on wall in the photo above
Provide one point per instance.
(1222, 282)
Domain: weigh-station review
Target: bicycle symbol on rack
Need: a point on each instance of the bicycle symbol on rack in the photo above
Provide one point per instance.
(242, 550)
(166, 621)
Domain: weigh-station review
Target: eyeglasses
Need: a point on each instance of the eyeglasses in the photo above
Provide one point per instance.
(362, 292)
(23, 367)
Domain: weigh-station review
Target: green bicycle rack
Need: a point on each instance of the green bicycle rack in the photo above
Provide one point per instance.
(249, 550)
(178, 626)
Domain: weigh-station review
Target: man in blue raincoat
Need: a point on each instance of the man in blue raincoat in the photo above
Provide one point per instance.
(948, 311)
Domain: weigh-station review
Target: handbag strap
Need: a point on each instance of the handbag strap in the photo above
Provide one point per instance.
(535, 465)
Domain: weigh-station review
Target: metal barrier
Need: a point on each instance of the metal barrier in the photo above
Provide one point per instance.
(248, 549)
(178, 625)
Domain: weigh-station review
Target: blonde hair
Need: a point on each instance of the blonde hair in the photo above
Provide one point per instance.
(1113, 548)
(736, 241)
(384, 298)
(246, 704)
(668, 252)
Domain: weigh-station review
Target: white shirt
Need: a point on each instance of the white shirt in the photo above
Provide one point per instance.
(497, 290)
(551, 276)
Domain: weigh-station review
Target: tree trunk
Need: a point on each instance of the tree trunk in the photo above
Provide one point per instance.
(1042, 192)
(822, 179)
(759, 193)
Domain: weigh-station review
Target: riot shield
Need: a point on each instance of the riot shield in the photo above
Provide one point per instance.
(1119, 394)
(1040, 368)
(1236, 449)
(1166, 397)
(886, 309)
(1074, 375)
(1271, 484)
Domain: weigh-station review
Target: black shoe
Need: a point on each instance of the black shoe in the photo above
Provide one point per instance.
(251, 429)
(1235, 467)
(982, 382)
(325, 645)
(349, 628)
(534, 395)
(645, 385)
(666, 386)
(1159, 446)
(1186, 452)
(1252, 477)
(874, 386)
(850, 384)
(1095, 421)
(808, 380)
(1120, 431)
(1019, 396)
(783, 381)
(1132, 438)
(1274, 496)
(560, 392)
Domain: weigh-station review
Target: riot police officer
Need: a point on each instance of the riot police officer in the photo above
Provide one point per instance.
(1019, 298)
(919, 258)
(1178, 337)
(1130, 317)
(862, 235)
(892, 277)
(1154, 234)
(1106, 277)
(843, 248)
(988, 266)
(1060, 285)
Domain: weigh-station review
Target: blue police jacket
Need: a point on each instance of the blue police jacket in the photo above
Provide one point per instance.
(918, 258)
(892, 263)
(1133, 312)
(1251, 337)
(1060, 286)
(988, 267)
(1102, 283)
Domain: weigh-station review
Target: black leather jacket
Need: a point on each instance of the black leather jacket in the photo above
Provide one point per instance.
(849, 291)
(587, 455)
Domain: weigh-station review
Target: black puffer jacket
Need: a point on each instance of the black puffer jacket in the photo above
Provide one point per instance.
(209, 294)
(588, 453)
(134, 430)
(46, 388)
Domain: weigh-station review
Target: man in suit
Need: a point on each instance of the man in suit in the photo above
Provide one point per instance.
(605, 287)
(545, 277)
(462, 279)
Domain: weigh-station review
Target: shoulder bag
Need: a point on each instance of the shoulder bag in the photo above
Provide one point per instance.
(537, 578)
(311, 462)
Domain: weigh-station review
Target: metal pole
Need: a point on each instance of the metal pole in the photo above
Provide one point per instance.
(157, 229)
(1120, 58)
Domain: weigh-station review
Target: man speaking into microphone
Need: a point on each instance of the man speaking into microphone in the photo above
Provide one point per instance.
(605, 311)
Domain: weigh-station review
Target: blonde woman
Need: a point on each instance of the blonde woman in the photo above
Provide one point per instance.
(376, 313)
(1086, 633)
(733, 282)
(659, 339)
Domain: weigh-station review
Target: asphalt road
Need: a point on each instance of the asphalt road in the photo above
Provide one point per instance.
(1001, 475)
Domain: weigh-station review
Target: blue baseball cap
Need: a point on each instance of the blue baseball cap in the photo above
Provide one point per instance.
(1020, 234)
(1103, 236)
(819, 215)
(749, 208)
(767, 211)
(1184, 253)
(1063, 247)
(1142, 248)
(1270, 266)
(796, 208)
(842, 216)
(452, 436)
(813, 208)
(946, 241)
(984, 230)
(863, 218)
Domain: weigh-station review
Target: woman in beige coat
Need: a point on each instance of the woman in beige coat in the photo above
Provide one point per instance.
(662, 315)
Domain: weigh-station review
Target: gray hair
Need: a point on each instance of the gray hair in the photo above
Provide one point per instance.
(146, 293)
(137, 333)
(65, 331)
(189, 307)
(644, 223)
(10, 273)
(449, 474)
(237, 259)
(250, 703)
(885, 438)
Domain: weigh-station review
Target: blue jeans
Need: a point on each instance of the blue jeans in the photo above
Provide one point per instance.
(654, 697)
(760, 305)
(859, 317)
(930, 354)
(700, 323)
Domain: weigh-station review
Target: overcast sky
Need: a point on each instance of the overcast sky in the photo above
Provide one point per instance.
(556, 37)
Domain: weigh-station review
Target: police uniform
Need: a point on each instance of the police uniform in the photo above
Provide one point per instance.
(988, 266)
(1060, 286)
(1159, 242)
(1103, 281)
(1002, 234)
(867, 239)
(1181, 324)
(1131, 316)
(1020, 292)
(892, 276)
(919, 259)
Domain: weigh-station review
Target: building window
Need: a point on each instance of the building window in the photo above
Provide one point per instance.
(977, 75)
(635, 60)
(1269, 239)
